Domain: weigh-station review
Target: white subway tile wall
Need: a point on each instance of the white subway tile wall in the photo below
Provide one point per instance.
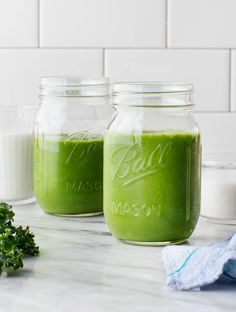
(165, 40)
(19, 23)
(201, 23)
(218, 132)
(208, 70)
(102, 23)
(21, 70)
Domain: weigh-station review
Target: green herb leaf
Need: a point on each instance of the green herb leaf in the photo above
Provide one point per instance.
(6, 214)
(24, 240)
(15, 242)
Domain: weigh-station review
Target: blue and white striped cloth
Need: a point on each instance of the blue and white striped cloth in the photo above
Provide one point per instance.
(191, 268)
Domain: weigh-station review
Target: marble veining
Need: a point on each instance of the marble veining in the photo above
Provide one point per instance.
(83, 268)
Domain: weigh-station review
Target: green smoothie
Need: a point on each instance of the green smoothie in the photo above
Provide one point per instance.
(68, 174)
(152, 185)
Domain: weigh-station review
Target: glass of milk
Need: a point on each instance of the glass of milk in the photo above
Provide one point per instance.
(219, 188)
(16, 124)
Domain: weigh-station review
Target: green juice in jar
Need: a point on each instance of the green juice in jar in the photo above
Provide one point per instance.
(152, 185)
(68, 174)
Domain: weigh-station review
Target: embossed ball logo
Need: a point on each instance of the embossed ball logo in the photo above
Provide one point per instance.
(133, 164)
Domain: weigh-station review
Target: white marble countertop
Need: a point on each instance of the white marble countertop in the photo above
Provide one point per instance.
(83, 268)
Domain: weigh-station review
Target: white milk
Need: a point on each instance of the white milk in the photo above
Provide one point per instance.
(219, 194)
(15, 166)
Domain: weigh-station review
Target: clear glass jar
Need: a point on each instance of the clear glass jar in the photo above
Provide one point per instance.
(16, 179)
(68, 145)
(152, 164)
(219, 188)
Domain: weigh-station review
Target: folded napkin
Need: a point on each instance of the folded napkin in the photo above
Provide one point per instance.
(190, 268)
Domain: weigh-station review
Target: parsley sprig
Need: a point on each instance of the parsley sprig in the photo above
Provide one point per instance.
(15, 242)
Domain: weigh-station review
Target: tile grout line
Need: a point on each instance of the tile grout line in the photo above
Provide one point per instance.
(166, 43)
(103, 62)
(230, 79)
(38, 23)
(113, 48)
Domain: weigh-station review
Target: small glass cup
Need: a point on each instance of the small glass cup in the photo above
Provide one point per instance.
(219, 188)
(16, 181)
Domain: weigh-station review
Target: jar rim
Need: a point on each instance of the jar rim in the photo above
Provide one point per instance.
(153, 94)
(74, 86)
(70, 81)
(152, 87)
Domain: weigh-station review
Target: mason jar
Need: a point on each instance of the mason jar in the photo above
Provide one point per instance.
(152, 164)
(68, 145)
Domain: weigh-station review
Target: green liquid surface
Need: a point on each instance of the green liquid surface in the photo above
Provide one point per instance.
(152, 185)
(68, 174)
